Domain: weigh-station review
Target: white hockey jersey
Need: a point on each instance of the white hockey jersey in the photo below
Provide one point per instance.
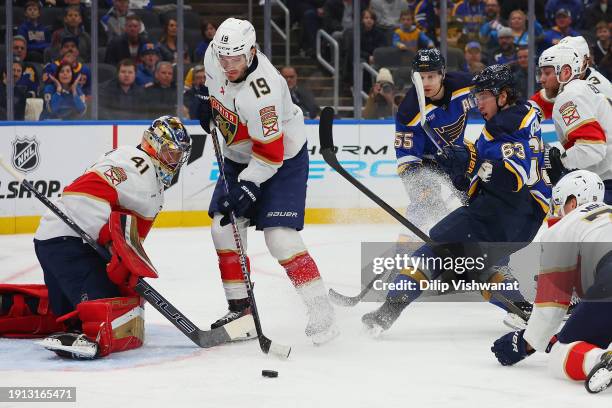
(122, 179)
(583, 121)
(260, 123)
(571, 252)
(540, 101)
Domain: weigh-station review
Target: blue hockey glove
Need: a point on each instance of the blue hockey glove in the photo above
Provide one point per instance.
(453, 160)
(511, 348)
(240, 200)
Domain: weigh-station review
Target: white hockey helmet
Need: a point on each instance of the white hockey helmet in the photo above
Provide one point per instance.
(560, 55)
(578, 43)
(234, 37)
(584, 185)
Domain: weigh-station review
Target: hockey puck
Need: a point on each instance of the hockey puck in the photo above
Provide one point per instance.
(269, 373)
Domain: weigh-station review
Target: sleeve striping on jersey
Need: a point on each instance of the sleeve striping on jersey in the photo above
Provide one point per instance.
(93, 185)
(518, 172)
(271, 153)
(588, 131)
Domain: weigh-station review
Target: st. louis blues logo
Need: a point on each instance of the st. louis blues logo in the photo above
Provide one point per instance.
(25, 154)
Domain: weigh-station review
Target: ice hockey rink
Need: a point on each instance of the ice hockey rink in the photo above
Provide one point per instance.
(436, 355)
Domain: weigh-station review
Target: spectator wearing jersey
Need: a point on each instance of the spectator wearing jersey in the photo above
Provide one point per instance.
(472, 14)
(127, 44)
(196, 98)
(408, 37)
(149, 57)
(575, 7)
(506, 51)
(602, 45)
(563, 28)
(426, 17)
(518, 25)
(208, 30)
(69, 53)
(36, 34)
(63, 97)
(599, 10)
(73, 27)
(121, 98)
(473, 58)
(493, 22)
(301, 96)
(168, 41)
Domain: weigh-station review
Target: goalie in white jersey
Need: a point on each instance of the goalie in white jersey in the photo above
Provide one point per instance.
(583, 119)
(266, 166)
(99, 312)
(576, 257)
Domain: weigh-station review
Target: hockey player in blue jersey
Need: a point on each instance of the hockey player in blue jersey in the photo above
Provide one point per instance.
(507, 192)
(447, 100)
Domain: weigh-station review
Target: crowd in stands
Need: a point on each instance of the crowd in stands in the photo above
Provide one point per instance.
(138, 49)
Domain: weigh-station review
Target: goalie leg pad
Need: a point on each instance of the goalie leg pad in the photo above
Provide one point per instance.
(25, 311)
(116, 324)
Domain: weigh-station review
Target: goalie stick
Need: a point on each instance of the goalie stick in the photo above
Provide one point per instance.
(202, 338)
(266, 345)
(326, 139)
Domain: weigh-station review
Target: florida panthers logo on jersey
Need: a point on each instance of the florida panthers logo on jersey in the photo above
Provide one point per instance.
(227, 121)
(25, 154)
(569, 113)
(450, 133)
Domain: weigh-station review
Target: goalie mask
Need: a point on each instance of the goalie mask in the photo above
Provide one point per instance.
(168, 144)
(583, 185)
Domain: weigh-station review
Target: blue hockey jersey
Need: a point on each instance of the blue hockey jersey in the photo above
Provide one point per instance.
(447, 117)
(512, 142)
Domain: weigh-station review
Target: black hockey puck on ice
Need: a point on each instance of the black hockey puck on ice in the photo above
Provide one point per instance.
(269, 373)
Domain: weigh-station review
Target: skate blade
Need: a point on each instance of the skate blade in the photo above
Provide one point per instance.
(514, 322)
(54, 345)
(374, 330)
(250, 335)
(325, 337)
(599, 380)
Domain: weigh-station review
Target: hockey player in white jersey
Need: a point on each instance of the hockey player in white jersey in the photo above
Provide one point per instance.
(544, 99)
(99, 313)
(266, 165)
(576, 256)
(583, 119)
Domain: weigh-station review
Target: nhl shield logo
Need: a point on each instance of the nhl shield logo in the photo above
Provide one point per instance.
(25, 154)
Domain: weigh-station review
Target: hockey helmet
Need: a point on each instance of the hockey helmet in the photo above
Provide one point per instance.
(494, 78)
(168, 144)
(427, 60)
(580, 45)
(560, 55)
(234, 38)
(584, 185)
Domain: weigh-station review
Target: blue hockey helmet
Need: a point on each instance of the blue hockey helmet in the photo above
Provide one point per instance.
(429, 59)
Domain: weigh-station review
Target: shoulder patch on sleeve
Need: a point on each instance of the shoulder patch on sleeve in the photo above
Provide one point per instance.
(569, 112)
(269, 120)
(115, 175)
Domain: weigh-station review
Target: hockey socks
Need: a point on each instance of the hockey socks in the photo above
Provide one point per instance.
(231, 275)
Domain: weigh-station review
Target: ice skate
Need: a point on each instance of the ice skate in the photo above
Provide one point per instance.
(383, 318)
(516, 322)
(600, 376)
(71, 345)
(321, 327)
(237, 309)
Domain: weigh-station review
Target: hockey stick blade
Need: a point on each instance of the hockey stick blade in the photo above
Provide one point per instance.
(202, 338)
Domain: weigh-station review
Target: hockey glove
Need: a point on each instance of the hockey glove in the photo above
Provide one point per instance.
(553, 165)
(241, 198)
(511, 348)
(206, 116)
(453, 160)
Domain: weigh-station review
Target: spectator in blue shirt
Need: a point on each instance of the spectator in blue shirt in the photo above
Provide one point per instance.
(576, 8)
(149, 56)
(563, 28)
(63, 98)
(208, 30)
(37, 35)
(488, 31)
(506, 53)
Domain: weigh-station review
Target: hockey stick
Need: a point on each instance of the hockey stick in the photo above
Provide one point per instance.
(202, 338)
(326, 139)
(266, 345)
(418, 86)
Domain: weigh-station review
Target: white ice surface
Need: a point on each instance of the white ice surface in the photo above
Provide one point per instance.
(436, 355)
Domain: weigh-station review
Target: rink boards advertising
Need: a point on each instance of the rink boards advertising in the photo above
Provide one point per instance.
(52, 154)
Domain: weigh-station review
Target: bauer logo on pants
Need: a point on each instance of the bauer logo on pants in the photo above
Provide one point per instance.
(25, 154)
